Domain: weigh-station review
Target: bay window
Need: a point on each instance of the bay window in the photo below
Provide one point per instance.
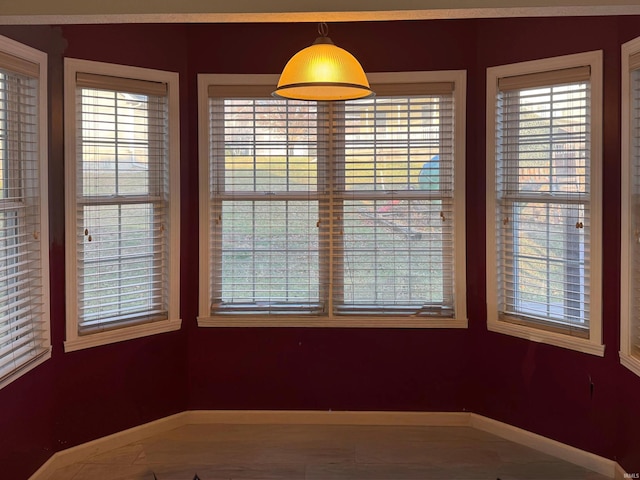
(342, 213)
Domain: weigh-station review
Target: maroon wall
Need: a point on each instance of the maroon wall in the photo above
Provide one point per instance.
(585, 401)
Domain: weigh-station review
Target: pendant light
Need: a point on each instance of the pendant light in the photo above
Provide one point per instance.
(323, 71)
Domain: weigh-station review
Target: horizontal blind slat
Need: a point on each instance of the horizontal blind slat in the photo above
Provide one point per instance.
(14, 64)
(130, 85)
(544, 79)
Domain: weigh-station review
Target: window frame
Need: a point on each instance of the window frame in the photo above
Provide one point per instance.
(20, 51)
(205, 319)
(627, 358)
(120, 332)
(593, 344)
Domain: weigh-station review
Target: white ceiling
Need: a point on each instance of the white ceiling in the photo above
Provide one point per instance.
(215, 11)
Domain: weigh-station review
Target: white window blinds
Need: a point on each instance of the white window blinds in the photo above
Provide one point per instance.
(24, 321)
(634, 176)
(630, 268)
(393, 212)
(122, 195)
(331, 210)
(543, 214)
(266, 158)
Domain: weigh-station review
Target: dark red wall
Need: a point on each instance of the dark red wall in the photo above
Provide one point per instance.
(585, 401)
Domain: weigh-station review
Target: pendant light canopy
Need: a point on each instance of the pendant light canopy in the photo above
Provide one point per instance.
(323, 71)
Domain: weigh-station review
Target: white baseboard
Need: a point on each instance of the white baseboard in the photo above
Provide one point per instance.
(622, 475)
(76, 454)
(305, 417)
(546, 445)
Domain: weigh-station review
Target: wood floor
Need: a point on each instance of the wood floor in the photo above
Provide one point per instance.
(314, 452)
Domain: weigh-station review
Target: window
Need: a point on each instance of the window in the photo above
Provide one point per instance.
(122, 202)
(630, 268)
(543, 200)
(343, 214)
(24, 239)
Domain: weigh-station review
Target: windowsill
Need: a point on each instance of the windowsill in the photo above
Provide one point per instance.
(632, 363)
(542, 336)
(46, 355)
(360, 321)
(121, 334)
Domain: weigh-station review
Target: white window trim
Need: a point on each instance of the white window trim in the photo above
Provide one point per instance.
(173, 322)
(626, 284)
(36, 56)
(459, 77)
(593, 345)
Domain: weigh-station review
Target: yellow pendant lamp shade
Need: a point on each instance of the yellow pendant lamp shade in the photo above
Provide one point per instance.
(323, 72)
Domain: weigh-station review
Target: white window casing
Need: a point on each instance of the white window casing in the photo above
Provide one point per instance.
(325, 214)
(122, 202)
(544, 220)
(24, 236)
(630, 194)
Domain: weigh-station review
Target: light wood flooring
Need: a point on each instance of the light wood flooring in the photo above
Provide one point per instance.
(318, 452)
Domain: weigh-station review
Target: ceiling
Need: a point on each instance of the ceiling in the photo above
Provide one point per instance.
(217, 11)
